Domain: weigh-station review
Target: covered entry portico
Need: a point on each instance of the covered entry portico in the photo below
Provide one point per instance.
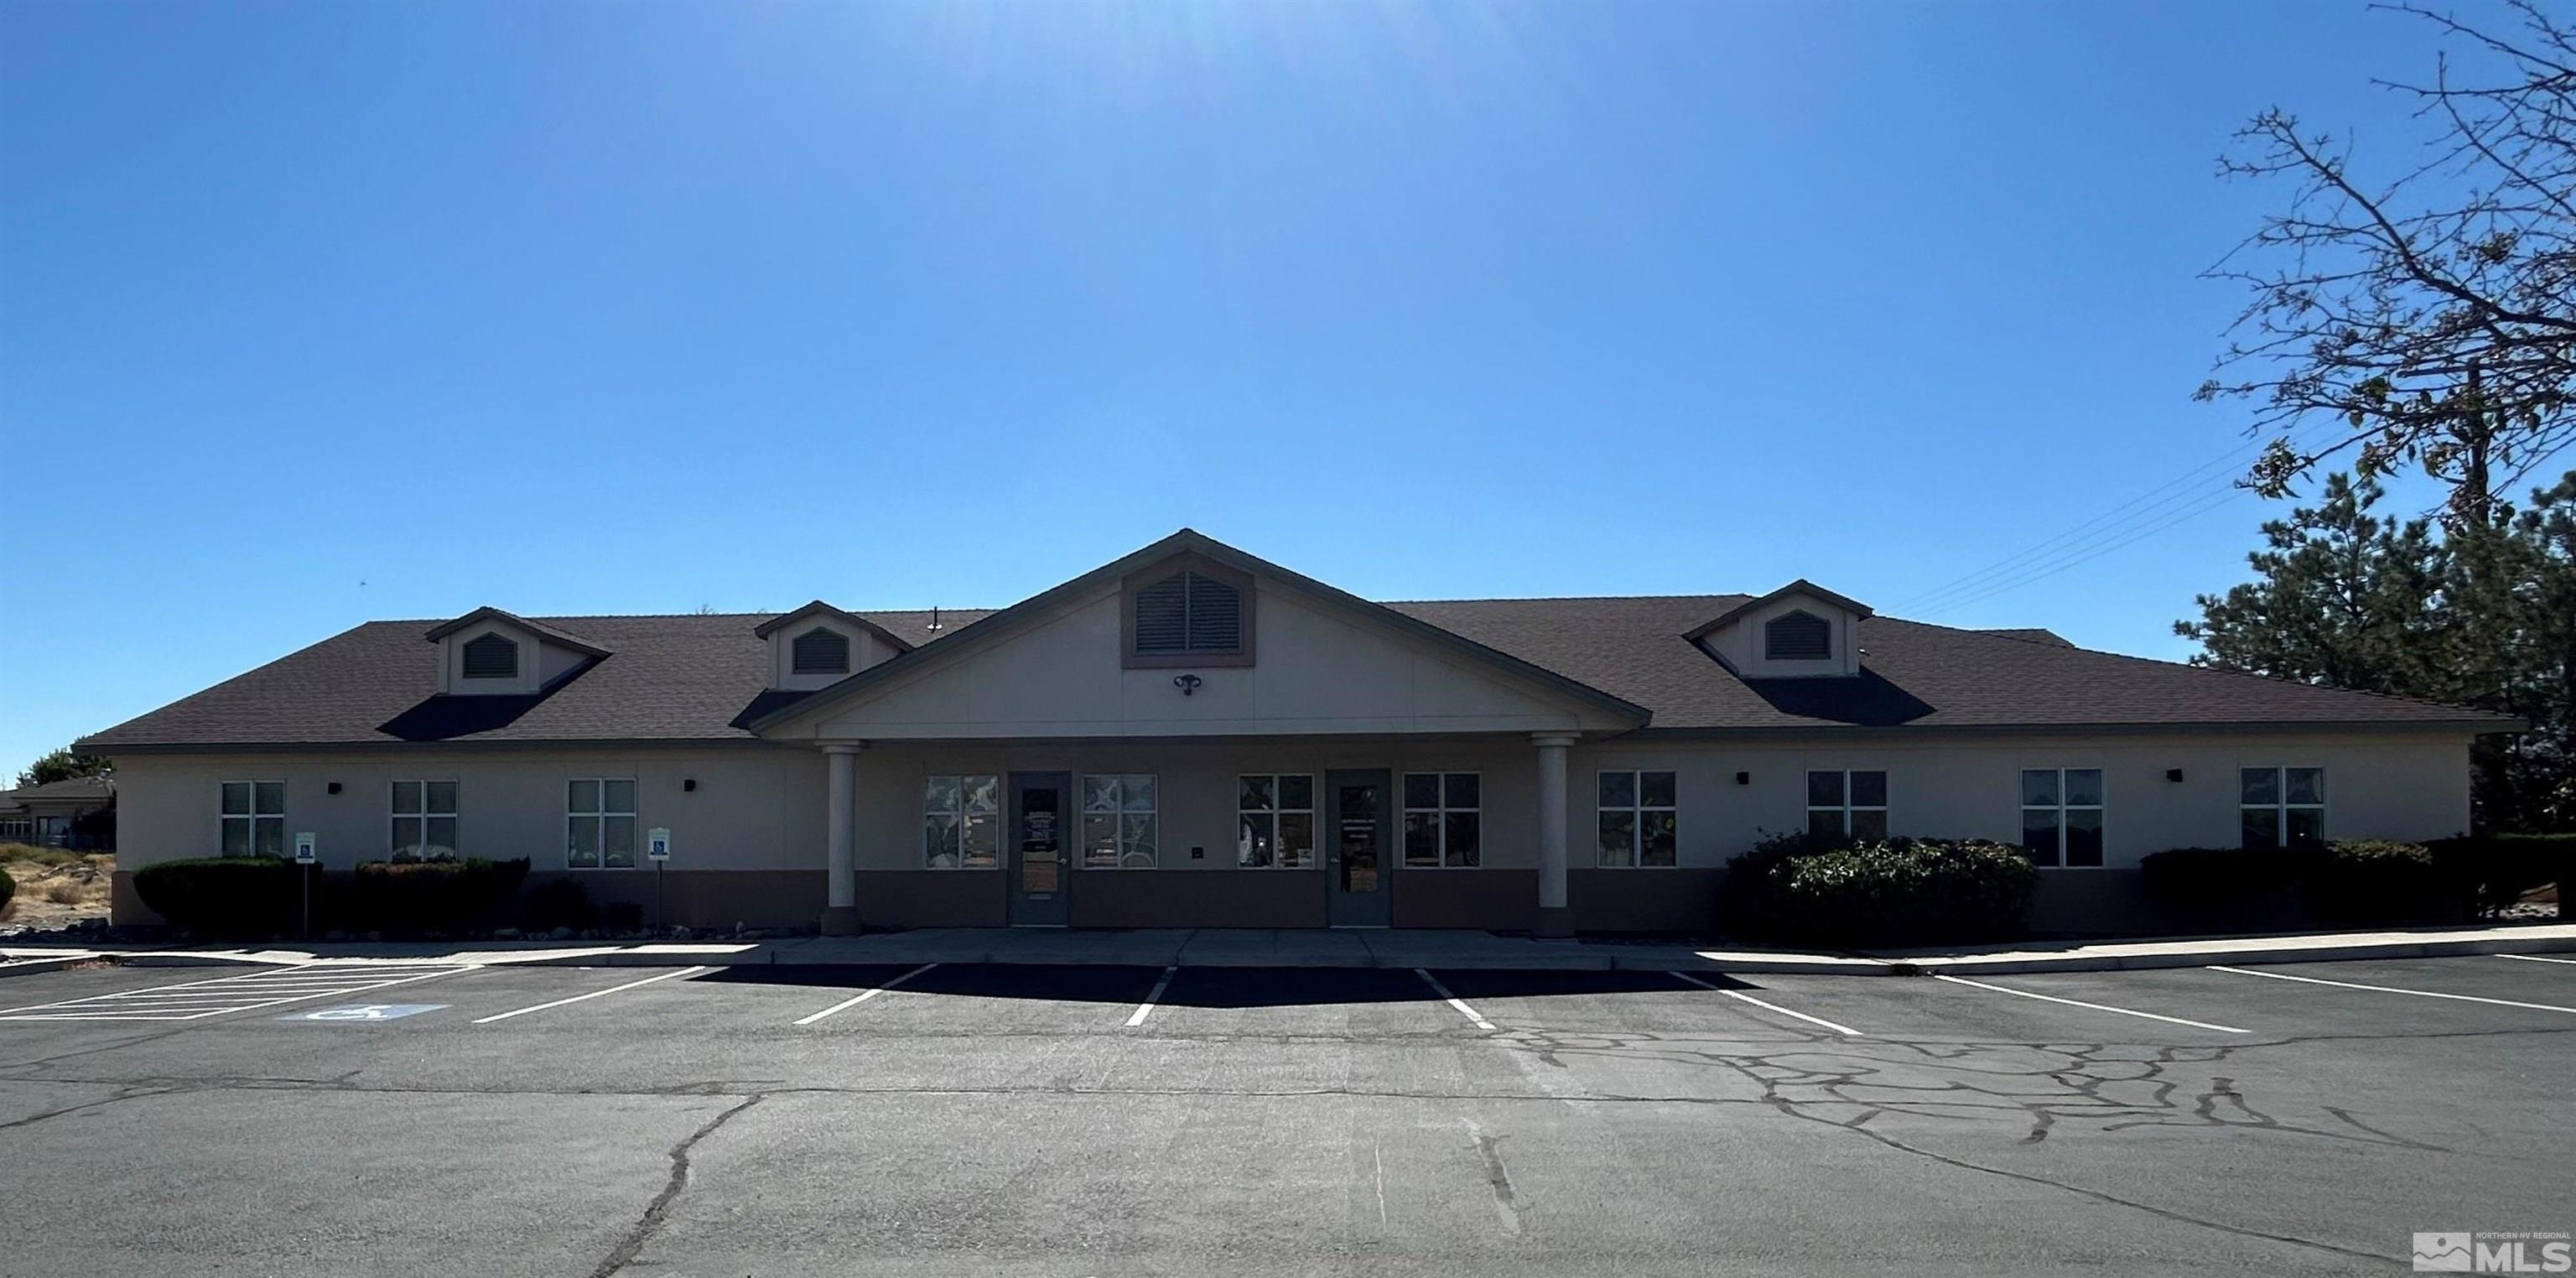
(1193, 737)
(1435, 830)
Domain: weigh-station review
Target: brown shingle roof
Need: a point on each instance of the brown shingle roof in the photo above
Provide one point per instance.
(702, 677)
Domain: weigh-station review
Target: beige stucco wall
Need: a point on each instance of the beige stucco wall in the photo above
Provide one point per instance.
(753, 809)
(1318, 673)
(2400, 786)
(763, 809)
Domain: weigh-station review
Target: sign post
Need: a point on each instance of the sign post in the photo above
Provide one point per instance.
(304, 876)
(657, 846)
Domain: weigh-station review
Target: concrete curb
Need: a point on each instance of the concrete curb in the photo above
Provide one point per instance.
(1449, 953)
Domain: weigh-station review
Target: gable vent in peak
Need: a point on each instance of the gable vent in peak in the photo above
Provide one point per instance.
(488, 652)
(819, 645)
(1801, 630)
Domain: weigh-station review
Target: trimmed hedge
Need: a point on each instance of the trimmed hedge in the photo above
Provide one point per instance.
(2377, 881)
(2198, 879)
(2495, 870)
(559, 903)
(226, 894)
(1801, 889)
(8, 890)
(432, 895)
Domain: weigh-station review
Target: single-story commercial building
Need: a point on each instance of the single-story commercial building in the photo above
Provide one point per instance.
(56, 814)
(1192, 736)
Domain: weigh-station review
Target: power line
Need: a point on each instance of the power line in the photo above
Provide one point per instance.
(2061, 564)
(2189, 487)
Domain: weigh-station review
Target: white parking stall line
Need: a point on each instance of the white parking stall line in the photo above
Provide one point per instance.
(2098, 1007)
(2394, 989)
(864, 995)
(614, 989)
(222, 996)
(2536, 958)
(1769, 1007)
(1152, 997)
(1454, 1001)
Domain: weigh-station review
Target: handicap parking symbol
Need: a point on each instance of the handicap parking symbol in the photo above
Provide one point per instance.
(365, 1012)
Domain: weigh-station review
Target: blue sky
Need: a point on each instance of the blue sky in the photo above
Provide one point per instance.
(316, 313)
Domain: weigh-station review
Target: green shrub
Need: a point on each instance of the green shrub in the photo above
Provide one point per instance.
(2494, 871)
(1807, 890)
(2372, 881)
(8, 890)
(236, 895)
(442, 896)
(559, 903)
(2218, 878)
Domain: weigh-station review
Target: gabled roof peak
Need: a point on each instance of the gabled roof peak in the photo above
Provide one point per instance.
(560, 638)
(1799, 588)
(818, 608)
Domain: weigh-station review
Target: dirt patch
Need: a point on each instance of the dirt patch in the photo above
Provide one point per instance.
(55, 888)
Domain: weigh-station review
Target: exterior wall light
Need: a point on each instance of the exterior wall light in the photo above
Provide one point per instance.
(2173, 774)
(1186, 683)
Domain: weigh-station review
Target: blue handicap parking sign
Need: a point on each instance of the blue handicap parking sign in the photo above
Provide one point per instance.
(365, 1012)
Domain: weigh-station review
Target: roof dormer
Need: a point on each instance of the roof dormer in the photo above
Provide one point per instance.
(488, 652)
(1800, 630)
(819, 645)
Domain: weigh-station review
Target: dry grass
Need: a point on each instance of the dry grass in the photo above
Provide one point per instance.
(55, 886)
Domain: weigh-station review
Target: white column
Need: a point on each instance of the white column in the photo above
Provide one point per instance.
(841, 842)
(1552, 917)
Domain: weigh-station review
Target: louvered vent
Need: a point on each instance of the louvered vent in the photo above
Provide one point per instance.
(821, 651)
(491, 657)
(1799, 636)
(1186, 612)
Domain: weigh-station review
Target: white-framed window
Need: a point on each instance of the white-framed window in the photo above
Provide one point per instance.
(17, 829)
(424, 821)
(1274, 821)
(961, 821)
(254, 818)
(599, 823)
(1847, 803)
(2061, 816)
(1443, 820)
(1640, 819)
(1118, 821)
(2281, 807)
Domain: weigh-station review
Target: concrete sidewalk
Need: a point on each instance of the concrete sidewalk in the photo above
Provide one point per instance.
(1251, 947)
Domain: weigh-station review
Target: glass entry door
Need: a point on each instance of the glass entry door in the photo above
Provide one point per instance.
(1041, 864)
(1357, 868)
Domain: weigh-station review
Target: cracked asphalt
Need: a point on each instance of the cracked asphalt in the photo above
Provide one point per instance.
(1010, 1120)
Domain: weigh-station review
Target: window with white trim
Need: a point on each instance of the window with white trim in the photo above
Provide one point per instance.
(1274, 821)
(1847, 803)
(254, 818)
(1639, 819)
(424, 821)
(2061, 816)
(961, 822)
(599, 814)
(1443, 820)
(2281, 807)
(1118, 821)
(17, 829)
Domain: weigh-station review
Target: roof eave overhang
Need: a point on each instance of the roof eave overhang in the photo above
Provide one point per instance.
(2479, 726)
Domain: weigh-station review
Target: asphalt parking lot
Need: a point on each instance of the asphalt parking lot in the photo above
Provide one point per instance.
(433, 1119)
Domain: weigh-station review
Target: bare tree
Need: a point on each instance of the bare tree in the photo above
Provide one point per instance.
(2427, 317)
